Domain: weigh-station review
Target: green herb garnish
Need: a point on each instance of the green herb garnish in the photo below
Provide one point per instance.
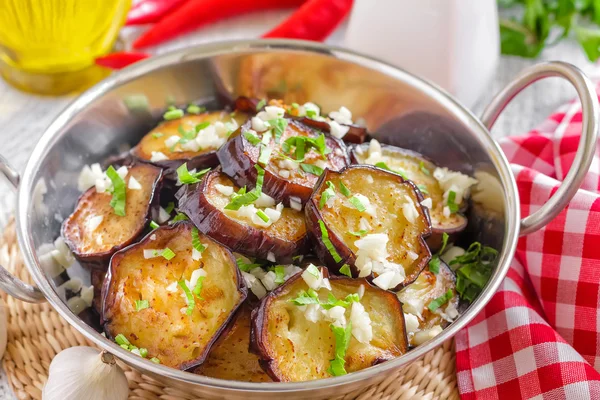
(201, 126)
(345, 270)
(434, 263)
(306, 297)
(188, 178)
(476, 267)
(122, 340)
(179, 217)
(311, 169)
(189, 297)
(327, 242)
(155, 360)
(332, 301)
(327, 194)
(242, 198)
(303, 144)
(265, 149)
(170, 207)
(423, 189)
(261, 104)
(246, 267)
(194, 109)
(423, 168)
(198, 287)
(314, 271)
(440, 301)
(452, 202)
(118, 192)
(251, 137)
(278, 125)
(279, 274)
(261, 214)
(167, 254)
(173, 114)
(383, 165)
(355, 201)
(342, 341)
(141, 304)
(196, 240)
(344, 190)
(153, 225)
(359, 233)
(157, 135)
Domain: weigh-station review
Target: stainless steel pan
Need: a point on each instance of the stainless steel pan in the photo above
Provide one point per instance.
(400, 108)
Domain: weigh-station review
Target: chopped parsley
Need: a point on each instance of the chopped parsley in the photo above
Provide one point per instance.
(242, 198)
(475, 269)
(303, 144)
(355, 201)
(122, 341)
(327, 194)
(311, 169)
(170, 207)
(342, 341)
(383, 165)
(344, 190)
(345, 270)
(423, 168)
(157, 135)
(328, 244)
(261, 104)
(423, 189)
(141, 305)
(261, 214)
(173, 113)
(265, 149)
(167, 254)
(278, 125)
(359, 233)
(189, 297)
(279, 274)
(201, 126)
(452, 201)
(179, 217)
(194, 109)
(198, 287)
(306, 297)
(188, 178)
(153, 225)
(196, 241)
(118, 192)
(244, 266)
(332, 301)
(251, 137)
(155, 360)
(434, 264)
(440, 301)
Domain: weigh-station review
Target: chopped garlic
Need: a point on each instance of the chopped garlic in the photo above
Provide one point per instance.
(163, 215)
(254, 284)
(158, 156)
(411, 322)
(364, 225)
(122, 172)
(361, 291)
(87, 295)
(337, 315)
(268, 281)
(337, 130)
(88, 176)
(426, 334)
(172, 287)
(196, 274)
(196, 255)
(264, 201)
(224, 190)
(455, 181)
(446, 211)
(172, 141)
(284, 173)
(93, 223)
(427, 203)
(361, 323)
(62, 254)
(409, 210)
(313, 312)
(295, 203)
(369, 179)
(271, 256)
(134, 184)
(343, 116)
(209, 139)
(369, 207)
(388, 280)
(315, 282)
(151, 253)
(259, 125)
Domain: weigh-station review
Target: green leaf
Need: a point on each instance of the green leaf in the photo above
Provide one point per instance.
(198, 287)
(189, 297)
(155, 360)
(342, 342)
(344, 190)
(452, 202)
(355, 201)
(278, 125)
(170, 207)
(304, 298)
(279, 274)
(424, 169)
(194, 109)
(311, 169)
(157, 135)
(153, 225)
(141, 304)
(327, 194)
(265, 149)
(261, 214)
(173, 114)
(517, 40)
(345, 270)
(118, 200)
(423, 189)
(201, 126)
(440, 301)
(444, 243)
(179, 217)
(589, 38)
(327, 242)
(188, 178)
(360, 233)
(196, 240)
(122, 340)
(251, 137)
(242, 199)
(434, 264)
(167, 254)
(476, 267)
(383, 165)
(332, 301)
(261, 104)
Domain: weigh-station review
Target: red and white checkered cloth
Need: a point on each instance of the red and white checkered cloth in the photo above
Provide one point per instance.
(539, 337)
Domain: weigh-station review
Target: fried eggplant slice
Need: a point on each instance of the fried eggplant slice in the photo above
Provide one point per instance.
(430, 304)
(420, 170)
(165, 295)
(94, 231)
(229, 358)
(297, 343)
(367, 221)
(192, 139)
(292, 154)
(278, 239)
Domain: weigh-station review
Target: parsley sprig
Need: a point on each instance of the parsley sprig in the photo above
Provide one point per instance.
(118, 200)
(475, 269)
(242, 198)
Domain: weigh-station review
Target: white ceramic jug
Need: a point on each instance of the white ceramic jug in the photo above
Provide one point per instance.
(453, 43)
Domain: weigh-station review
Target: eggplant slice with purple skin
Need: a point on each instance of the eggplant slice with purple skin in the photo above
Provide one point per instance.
(422, 323)
(230, 358)
(204, 203)
(365, 220)
(285, 180)
(94, 243)
(177, 331)
(198, 154)
(294, 349)
(418, 169)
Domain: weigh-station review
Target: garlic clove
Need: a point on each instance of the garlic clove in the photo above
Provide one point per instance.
(85, 373)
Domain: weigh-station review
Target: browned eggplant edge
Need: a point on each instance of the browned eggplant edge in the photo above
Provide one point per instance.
(435, 240)
(259, 321)
(242, 289)
(314, 215)
(237, 163)
(99, 260)
(169, 167)
(238, 237)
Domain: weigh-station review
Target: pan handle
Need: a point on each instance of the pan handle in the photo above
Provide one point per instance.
(9, 283)
(587, 142)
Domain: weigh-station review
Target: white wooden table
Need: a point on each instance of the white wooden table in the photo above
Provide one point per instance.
(23, 117)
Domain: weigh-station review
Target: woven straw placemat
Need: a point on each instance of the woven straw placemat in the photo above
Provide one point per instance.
(36, 333)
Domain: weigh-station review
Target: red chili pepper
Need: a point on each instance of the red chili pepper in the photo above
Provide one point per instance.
(149, 11)
(196, 13)
(120, 60)
(315, 20)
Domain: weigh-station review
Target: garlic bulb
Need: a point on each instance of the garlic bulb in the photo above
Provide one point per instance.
(85, 373)
(3, 328)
